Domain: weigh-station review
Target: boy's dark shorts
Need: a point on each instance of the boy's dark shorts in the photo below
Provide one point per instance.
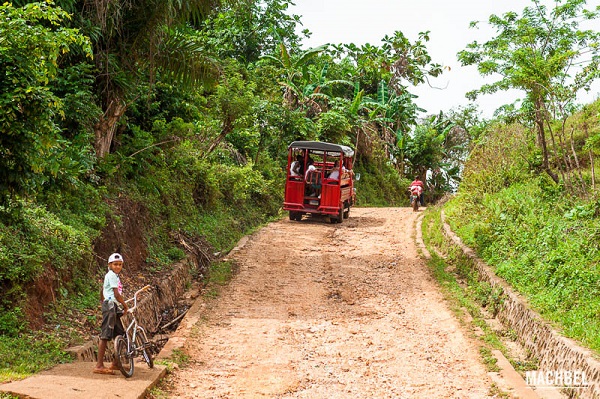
(111, 321)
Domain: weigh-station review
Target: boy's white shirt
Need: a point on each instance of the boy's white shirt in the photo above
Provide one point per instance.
(111, 281)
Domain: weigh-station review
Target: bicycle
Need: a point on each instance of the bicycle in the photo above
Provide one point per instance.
(133, 343)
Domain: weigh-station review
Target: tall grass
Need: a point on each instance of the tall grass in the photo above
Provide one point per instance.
(542, 242)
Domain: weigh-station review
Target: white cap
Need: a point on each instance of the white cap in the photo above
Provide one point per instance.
(115, 257)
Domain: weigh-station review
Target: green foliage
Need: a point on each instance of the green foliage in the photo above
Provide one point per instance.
(251, 29)
(11, 321)
(186, 191)
(32, 152)
(540, 240)
(424, 149)
(589, 124)
(220, 273)
(535, 51)
(546, 54)
(180, 358)
(380, 184)
(333, 127)
(503, 155)
(27, 354)
(36, 240)
(552, 259)
(347, 90)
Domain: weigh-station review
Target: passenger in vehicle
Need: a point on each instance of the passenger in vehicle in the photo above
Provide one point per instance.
(310, 169)
(335, 172)
(313, 179)
(296, 166)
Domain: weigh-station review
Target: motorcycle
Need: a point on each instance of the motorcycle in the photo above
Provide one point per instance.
(414, 202)
(415, 199)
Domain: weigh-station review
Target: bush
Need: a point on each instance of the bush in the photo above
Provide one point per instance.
(502, 157)
(380, 184)
(34, 240)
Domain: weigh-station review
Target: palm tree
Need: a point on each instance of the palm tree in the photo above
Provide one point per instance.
(133, 41)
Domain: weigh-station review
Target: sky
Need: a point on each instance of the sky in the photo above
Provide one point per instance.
(360, 22)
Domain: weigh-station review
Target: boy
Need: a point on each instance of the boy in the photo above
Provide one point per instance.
(110, 294)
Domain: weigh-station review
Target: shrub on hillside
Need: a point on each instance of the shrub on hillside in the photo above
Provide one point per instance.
(503, 156)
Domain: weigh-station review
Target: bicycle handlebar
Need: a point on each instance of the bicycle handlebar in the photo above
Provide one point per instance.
(134, 299)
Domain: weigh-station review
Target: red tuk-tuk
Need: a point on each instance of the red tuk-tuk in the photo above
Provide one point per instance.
(319, 180)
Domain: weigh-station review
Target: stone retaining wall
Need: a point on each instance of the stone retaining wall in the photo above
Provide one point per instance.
(148, 313)
(553, 351)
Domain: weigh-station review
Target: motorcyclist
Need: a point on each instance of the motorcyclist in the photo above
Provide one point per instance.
(416, 188)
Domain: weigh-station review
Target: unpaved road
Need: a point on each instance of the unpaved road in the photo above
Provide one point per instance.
(331, 311)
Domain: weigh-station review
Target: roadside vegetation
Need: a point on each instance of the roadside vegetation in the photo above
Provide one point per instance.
(528, 202)
(538, 238)
(153, 127)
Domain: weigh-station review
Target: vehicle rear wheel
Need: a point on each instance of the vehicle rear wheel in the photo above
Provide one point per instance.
(415, 203)
(347, 212)
(299, 216)
(340, 217)
(293, 215)
(123, 357)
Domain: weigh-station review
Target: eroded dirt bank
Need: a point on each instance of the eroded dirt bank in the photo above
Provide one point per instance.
(331, 311)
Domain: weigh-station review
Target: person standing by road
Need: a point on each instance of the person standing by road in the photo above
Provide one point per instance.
(110, 295)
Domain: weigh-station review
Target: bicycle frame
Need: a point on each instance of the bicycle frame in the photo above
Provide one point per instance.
(129, 345)
(132, 328)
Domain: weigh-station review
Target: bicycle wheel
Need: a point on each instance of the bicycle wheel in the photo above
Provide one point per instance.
(124, 358)
(141, 342)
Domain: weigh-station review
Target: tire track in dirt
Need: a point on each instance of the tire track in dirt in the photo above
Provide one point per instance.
(331, 311)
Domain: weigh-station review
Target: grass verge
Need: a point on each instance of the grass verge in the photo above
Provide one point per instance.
(544, 245)
(472, 301)
(28, 354)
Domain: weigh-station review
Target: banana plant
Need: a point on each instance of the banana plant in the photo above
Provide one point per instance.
(295, 71)
(393, 112)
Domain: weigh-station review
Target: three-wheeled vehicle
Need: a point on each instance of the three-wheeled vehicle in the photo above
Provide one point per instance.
(319, 180)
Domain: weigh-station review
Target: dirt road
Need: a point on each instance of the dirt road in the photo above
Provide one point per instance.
(321, 310)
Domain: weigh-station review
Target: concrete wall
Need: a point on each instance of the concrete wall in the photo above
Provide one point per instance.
(553, 351)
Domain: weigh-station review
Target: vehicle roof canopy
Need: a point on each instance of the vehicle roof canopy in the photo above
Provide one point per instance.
(322, 146)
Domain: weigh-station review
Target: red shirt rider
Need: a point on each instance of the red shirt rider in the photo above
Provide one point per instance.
(416, 188)
(416, 183)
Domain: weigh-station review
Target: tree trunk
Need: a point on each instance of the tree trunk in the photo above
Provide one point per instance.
(261, 144)
(583, 186)
(225, 130)
(541, 136)
(560, 149)
(591, 155)
(106, 127)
